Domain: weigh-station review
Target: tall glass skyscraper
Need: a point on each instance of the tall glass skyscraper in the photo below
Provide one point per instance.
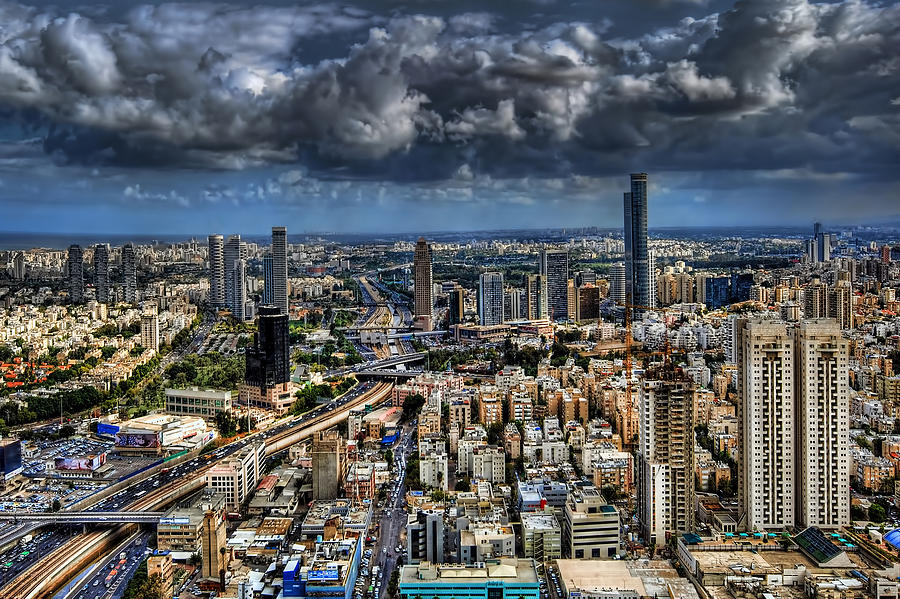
(279, 269)
(490, 298)
(268, 295)
(101, 272)
(129, 272)
(555, 268)
(637, 259)
(75, 273)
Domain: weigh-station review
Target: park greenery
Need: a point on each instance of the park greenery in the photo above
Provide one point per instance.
(211, 370)
(310, 395)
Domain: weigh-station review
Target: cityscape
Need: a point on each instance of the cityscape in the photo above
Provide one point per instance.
(450, 300)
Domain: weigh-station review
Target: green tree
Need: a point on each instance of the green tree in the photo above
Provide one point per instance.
(411, 405)
(877, 513)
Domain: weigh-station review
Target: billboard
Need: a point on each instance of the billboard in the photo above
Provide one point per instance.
(104, 428)
(171, 520)
(90, 462)
(323, 574)
(11, 457)
(137, 440)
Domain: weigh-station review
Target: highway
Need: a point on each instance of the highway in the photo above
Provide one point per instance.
(157, 490)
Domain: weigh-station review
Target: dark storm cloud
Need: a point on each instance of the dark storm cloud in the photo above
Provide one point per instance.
(764, 85)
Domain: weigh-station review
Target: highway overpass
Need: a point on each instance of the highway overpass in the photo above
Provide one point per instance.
(83, 517)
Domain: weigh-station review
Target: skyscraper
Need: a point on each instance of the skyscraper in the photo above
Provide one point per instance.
(279, 268)
(554, 266)
(150, 330)
(216, 270)
(267, 374)
(75, 274)
(617, 283)
(235, 256)
(823, 424)
(268, 296)
(666, 459)
(101, 272)
(793, 387)
(424, 293)
(490, 298)
(637, 258)
(765, 355)
(129, 272)
(536, 298)
(19, 266)
(457, 306)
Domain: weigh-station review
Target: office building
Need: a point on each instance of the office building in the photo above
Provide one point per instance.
(514, 305)
(617, 283)
(591, 526)
(823, 423)
(457, 305)
(666, 458)
(150, 330)
(268, 294)
(554, 267)
(585, 277)
(267, 375)
(587, 307)
(235, 257)
(541, 536)
(279, 269)
(75, 274)
(214, 560)
(638, 290)
(329, 464)
(329, 573)
(424, 292)
(537, 306)
(101, 272)
(216, 270)
(18, 266)
(180, 530)
(205, 403)
(426, 536)
(159, 563)
(129, 273)
(490, 298)
(492, 579)
(237, 476)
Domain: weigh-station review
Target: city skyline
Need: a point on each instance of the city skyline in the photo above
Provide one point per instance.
(472, 116)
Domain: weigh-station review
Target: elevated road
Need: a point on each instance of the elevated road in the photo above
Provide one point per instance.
(84, 517)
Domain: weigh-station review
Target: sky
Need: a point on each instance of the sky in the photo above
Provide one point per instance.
(438, 115)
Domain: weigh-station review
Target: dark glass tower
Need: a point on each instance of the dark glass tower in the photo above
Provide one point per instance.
(269, 360)
(637, 258)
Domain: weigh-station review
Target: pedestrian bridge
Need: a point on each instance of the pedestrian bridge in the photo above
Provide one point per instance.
(83, 517)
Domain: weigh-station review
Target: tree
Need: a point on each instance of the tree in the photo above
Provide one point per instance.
(56, 505)
(411, 405)
(463, 485)
(877, 513)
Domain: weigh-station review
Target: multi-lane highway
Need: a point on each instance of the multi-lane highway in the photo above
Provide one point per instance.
(156, 490)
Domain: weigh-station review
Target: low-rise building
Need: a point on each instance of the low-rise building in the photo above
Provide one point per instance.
(206, 403)
(591, 526)
(541, 536)
(495, 578)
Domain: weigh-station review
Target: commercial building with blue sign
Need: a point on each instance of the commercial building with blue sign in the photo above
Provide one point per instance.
(494, 579)
(330, 573)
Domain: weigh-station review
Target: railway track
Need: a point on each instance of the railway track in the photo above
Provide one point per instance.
(43, 578)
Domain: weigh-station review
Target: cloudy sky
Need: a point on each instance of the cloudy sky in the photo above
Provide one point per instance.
(425, 115)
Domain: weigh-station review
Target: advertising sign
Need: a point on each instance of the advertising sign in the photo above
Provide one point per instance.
(325, 574)
(91, 463)
(137, 440)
